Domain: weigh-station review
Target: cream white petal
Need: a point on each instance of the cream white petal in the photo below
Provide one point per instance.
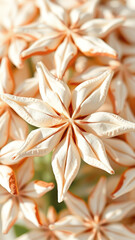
(65, 164)
(8, 151)
(33, 235)
(34, 111)
(36, 189)
(4, 195)
(64, 54)
(6, 83)
(40, 142)
(98, 198)
(92, 151)
(83, 13)
(129, 62)
(107, 124)
(91, 94)
(8, 179)
(86, 235)
(4, 128)
(119, 91)
(117, 211)
(130, 82)
(18, 127)
(28, 88)
(14, 51)
(29, 210)
(92, 46)
(126, 183)
(25, 172)
(77, 206)
(53, 90)
(118, 231)
(100, 27)
(69, 224)
(130, 137)
(9, 214)
(44, 45)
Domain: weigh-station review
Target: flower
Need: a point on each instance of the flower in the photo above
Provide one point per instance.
(97, 219)
(69, 124)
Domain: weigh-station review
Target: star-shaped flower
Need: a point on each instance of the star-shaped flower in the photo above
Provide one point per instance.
(18, 194)
(12, 43)
(98, 219)
(69, 124)
(66, 33)
(44, 232)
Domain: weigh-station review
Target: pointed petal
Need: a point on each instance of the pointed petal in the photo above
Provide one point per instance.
(8, 179)
(65, 164)
(4, 195)
(40, 142)
(98, 198)
(9, 214)
(100, 27)
(107, 124)
(44, 45)
(86, 235)
(120, 151)
(88, 96)
(53, 90)
(18, 127)
(126, 183)
(28, 88)
(92, 46)
(8, 151)
(118, 231)
(6, 83)
(92, 151)
(34, 111)
(70, 224)
(117, 211)
(37, 189)
(14, 52)
(29, 210)
(64, 54)
(77, 206)
(4, 128)
(119, 91)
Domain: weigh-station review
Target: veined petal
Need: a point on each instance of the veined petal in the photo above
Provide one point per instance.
(36, 189)
(117, 211)
(7, 152)
(8, 179)
(70, 224)
(44, 45)
(92, 46)
(65, 163)
(77, 206)
(100, 27)
(128, 114)
(92, 150)
(64, 54)
(4, 195)
(18, 127)
(16, 47)
(85, 235)
(120, 151)
(28, 88)
(118, 231)
(4, 128)
(34, 111)
(25, 172)
(129, 62)
(98, 198)
(9, 214)
(88, 96)
(119, 91)
(53, 90)
(40, 142)
(107, 124)
(29, 210)
(126, 183)
(6, 83)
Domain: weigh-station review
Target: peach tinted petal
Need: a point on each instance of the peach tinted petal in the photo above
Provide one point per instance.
(4, 128)
(6, 83)
(118, 231)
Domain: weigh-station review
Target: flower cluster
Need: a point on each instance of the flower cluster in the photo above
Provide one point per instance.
(73, 103)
